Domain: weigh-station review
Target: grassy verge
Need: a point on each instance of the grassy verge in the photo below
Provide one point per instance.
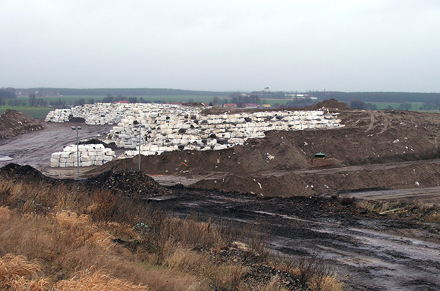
(62, 237)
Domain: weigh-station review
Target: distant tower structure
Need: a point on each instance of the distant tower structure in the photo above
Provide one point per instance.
(266, 89)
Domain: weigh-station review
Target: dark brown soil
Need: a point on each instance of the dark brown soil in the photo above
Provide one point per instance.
(355, 242)
(375, 149)
(127, 183)
(13, 123)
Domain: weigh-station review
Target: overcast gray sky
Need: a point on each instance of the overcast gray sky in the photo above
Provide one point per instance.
(225, 45)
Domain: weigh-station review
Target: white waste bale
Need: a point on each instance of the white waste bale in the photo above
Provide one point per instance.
(107, 158)
(218, 147)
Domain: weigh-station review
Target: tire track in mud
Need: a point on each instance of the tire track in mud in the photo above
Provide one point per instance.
(363, 255)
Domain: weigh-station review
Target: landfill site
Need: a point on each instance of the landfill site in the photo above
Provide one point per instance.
(305, 175)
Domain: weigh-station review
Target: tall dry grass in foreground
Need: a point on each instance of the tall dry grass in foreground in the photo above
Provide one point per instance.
(64, 238)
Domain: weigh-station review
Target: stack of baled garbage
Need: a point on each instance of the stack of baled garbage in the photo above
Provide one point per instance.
(94, 114)
(173, 127)
(170, 129)
(89, 155)
(100, 113)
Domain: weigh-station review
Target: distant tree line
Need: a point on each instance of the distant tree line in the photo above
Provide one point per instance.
(392, 97)
(119, 92)
(7, 93)
(241, 99)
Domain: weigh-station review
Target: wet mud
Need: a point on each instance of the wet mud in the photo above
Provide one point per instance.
(360, 246)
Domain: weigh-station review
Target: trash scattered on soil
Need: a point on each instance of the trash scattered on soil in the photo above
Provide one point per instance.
(5, 158)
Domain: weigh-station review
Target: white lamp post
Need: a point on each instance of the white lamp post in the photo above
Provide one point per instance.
(140, 126)
(77, 149)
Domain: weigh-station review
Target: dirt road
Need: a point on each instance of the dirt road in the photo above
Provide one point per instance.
(35, 148)
(360, 248)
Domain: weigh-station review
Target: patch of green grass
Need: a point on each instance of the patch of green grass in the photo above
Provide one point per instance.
(34, 112)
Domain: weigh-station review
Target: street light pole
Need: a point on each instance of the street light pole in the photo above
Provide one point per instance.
(140, 126)
(77, 150)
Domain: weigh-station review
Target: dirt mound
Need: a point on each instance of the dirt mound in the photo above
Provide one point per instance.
(111, 145)
(331, 104)
(20, 173)
(128, 183)
(13, 123)
(76, 119)
(283, 163)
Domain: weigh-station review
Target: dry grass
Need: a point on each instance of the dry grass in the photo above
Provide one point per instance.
(312, 272)
(426, 212)
(97, 280)
(226, 275)
(63, 238)
(17, 270)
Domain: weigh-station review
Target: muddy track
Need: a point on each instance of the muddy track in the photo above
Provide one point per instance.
(360, 248)
(35, 148)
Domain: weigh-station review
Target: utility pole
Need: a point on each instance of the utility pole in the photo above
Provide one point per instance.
(140, 126)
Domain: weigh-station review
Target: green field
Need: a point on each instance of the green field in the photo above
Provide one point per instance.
(34, 112)
(68, 99)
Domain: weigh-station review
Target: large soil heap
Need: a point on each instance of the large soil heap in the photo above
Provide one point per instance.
(128, 183)
(13, 123)
(375, 149)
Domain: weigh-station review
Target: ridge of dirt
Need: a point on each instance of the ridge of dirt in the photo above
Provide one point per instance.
(277, 165)
(18, 173)
(13, 123)
(331, 104)
(128, 183)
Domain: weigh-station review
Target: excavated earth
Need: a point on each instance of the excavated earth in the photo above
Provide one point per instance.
(374, 150)
(277, 184)
(13, 123)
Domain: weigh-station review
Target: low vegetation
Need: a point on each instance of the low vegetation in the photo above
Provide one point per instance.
(61, 237)
(420, 211)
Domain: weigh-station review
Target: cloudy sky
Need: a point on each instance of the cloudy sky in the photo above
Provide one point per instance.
(289, 45)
